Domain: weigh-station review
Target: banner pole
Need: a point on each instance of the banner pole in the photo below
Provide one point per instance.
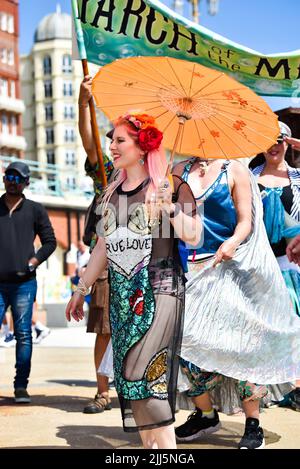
(83, 57)
(95, 131)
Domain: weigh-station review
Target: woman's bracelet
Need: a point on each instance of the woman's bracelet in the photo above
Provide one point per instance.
(81, 288)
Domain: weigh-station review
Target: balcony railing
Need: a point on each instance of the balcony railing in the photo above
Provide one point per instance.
(12, 104)
(50, 180)
(16, 142)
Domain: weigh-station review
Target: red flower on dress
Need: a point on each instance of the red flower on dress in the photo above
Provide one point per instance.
(150, 138)
(136, 302)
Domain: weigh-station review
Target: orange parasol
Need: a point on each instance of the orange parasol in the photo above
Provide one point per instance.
(202, 112)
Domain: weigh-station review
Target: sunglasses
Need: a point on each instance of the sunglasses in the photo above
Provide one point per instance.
(14, 178)
(281, 137)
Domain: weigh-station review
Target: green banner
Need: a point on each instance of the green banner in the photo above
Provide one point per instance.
(112, 29)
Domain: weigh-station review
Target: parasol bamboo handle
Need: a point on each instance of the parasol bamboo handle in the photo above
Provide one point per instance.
(95, 131)
(169, 168)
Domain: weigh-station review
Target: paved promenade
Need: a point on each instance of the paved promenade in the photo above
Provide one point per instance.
(62, 382)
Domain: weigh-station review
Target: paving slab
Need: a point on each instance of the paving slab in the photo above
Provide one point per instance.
(62, 382)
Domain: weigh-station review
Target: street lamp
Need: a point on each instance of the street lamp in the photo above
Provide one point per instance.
(212, 5)
(178, 6)
(195, 10)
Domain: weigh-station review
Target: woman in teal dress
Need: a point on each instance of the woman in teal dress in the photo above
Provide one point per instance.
(138, 241)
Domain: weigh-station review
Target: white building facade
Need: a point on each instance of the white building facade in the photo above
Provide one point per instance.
(50, 83)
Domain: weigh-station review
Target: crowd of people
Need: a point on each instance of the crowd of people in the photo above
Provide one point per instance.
(192, 279)
(228, 333)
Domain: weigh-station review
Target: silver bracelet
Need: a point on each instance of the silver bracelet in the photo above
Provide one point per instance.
(81, 288)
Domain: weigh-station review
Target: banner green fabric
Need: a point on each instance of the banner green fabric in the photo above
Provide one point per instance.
(111, 29)
(79, 45)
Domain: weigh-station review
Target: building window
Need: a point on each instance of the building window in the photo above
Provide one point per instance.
(70, 158)
(13, 122)
(3, 55)
(49, 135)
(4, 124)
(48, 89)
(69, 112)
(10, 57)
(50, 157)
(47, 65)
(71, 182)
(51, 182)
(67, 63)
(7, 22)
(69, 135)
(10, 24)
(3, 21)
(49, 112)
(68, 88)
(12, 89)
(3, 87)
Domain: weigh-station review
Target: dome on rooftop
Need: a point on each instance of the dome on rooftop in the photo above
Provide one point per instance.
(57, 25)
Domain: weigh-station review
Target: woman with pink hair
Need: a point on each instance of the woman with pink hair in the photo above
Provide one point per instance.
(137, 239)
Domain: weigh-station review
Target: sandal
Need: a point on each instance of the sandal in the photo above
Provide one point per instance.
(98, 404)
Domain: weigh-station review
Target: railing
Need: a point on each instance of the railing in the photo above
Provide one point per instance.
(12, 104)
(50, 180)
(17, 142)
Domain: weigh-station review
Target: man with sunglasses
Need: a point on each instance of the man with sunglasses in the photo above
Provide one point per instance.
(21, 220)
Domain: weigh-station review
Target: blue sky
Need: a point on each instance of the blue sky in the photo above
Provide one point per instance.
(267, 26)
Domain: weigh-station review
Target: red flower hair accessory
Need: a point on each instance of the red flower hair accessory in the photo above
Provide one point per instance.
(149, 137)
